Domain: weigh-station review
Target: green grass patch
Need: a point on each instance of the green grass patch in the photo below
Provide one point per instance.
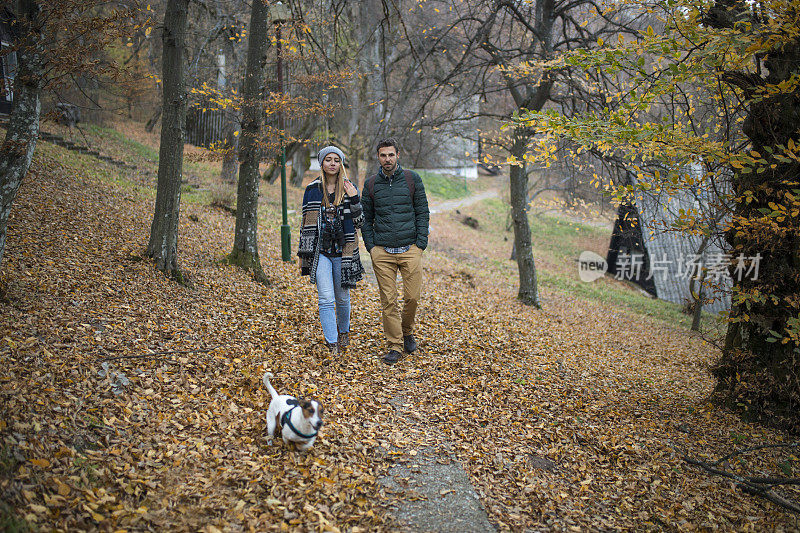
(134, 147)
(495, 211)
(627, 299)
(559, 238)
(86, 165)
(89, 166)
(442, 186)
(206, 170)
(560, 241)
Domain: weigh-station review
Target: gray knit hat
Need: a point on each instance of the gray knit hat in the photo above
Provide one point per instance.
(329, 150)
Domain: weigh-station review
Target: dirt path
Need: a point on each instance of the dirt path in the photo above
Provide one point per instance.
(434, 490)
(459, 203)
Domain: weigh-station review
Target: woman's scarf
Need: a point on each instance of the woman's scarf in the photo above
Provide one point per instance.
(309, 246)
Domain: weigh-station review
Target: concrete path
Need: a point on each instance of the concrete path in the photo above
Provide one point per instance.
(435, 493)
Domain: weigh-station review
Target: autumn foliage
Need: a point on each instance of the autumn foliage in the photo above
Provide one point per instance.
(705, 101)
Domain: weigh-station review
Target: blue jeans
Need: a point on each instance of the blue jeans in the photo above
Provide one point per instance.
(334, 301)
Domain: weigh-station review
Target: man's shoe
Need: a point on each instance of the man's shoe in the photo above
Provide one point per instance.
(409, 343)
(392, 357)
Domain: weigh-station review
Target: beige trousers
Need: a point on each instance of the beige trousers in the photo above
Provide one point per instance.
(385, 266)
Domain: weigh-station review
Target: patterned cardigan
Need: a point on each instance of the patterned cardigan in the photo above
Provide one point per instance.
(309, 246)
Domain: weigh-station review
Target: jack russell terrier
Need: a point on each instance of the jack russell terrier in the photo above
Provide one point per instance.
(299, 420)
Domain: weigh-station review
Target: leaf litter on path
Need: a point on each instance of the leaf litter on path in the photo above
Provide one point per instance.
(572, 417)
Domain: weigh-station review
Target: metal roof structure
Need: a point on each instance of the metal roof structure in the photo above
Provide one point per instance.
(646, 248)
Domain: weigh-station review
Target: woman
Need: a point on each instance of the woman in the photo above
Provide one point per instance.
(328, 247)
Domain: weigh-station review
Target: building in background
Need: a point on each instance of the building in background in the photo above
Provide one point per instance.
(648, 250)
(8, 60)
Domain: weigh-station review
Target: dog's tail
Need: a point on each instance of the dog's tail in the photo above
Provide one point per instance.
(265, 379)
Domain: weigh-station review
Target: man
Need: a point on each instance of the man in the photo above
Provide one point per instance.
(395, 232)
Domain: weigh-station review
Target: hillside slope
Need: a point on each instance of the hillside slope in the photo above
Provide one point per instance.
(131, 402)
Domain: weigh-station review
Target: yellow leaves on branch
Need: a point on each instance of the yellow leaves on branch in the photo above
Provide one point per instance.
(532, 69)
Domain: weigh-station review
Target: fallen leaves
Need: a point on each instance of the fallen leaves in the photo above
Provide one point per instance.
(130, 402)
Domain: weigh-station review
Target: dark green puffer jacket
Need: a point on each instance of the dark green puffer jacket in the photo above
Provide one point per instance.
(392, 219)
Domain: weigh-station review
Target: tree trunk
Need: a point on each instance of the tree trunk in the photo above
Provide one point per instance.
(300, 163)
(518, 188)
(354, 171)
(697, 297)
(305, 131)
(363, 15)
(230, 160)
(759, 369)
(363, 125)
(273, 171)
(163, 245)
(23, 124)
(245, 241)
(153, 120)
(697, 310)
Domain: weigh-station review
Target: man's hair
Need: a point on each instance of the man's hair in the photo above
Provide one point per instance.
(391, 141)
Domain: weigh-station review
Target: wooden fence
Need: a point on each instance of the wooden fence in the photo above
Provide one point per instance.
(204, 127)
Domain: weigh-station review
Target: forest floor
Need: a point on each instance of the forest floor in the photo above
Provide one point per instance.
(130, 402)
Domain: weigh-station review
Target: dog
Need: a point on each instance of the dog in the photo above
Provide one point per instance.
(299, 420)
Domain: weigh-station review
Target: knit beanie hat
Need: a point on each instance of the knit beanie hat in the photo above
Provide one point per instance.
(329, 150)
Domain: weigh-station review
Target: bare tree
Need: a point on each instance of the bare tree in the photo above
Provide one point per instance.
(489, 50)
(245, 243)
(230, 130)
(215, 46)
(163, 244)
(23, 126)
(380, 91)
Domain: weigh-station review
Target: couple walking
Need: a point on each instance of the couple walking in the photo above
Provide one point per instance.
(393, 216)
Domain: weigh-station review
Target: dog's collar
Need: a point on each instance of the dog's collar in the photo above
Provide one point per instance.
(286, 420)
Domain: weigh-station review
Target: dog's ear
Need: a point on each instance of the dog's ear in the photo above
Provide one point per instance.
(308, 408)
(292, 401)
(319, 409)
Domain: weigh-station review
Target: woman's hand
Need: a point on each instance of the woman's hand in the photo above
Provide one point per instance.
(349, 188)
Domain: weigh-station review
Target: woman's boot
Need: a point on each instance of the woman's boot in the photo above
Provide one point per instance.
(333, 348)
(333, 353)
(344, 340)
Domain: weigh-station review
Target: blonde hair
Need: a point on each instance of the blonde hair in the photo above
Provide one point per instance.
(338, 194)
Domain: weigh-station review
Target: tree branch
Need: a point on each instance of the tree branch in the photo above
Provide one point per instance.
(759, 486)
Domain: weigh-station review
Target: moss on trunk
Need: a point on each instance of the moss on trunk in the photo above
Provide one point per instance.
(248, 261)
